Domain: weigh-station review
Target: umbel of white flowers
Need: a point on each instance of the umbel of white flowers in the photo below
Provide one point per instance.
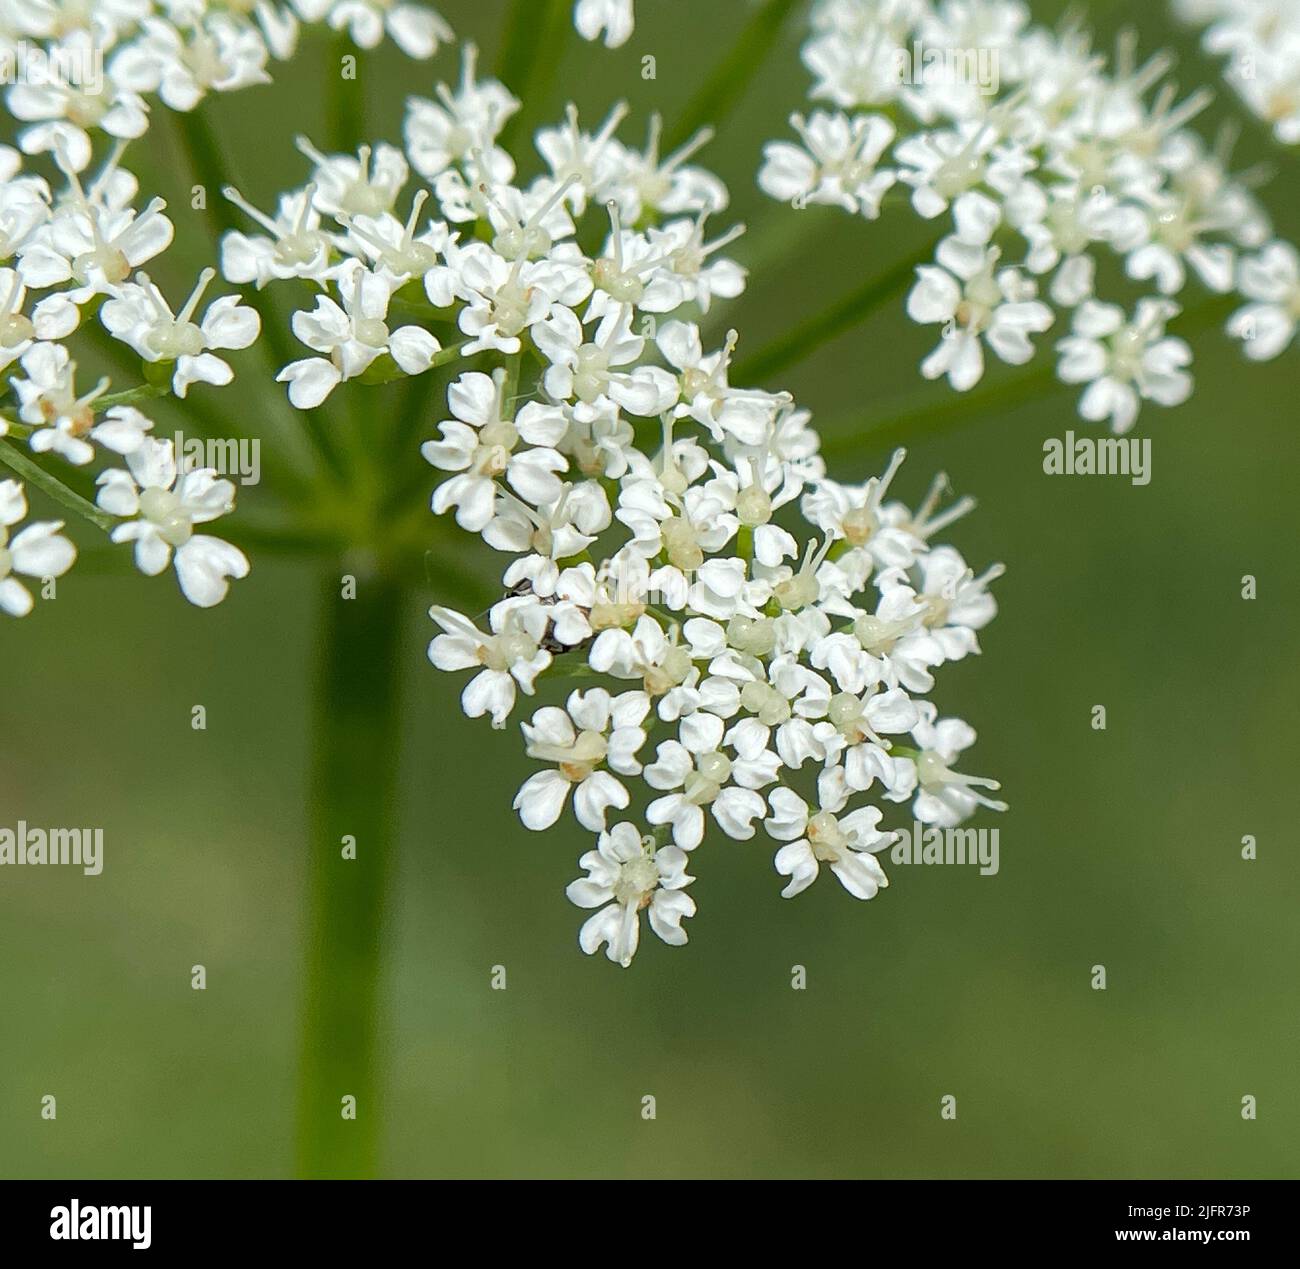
(761, 640)
(751, 627)
(1039, 160)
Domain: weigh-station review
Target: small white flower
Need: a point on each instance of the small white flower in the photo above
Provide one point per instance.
(946, 797)
(1271, 281)
(480, 444)
(625, 876)
(352, 336)
(415, 29)
(845, 843)
(294, 245)
(164, 506)
(139, 316)
(511, 655)
(974, 301)
(38, 551)
(48, 401)
(696, 765)
(589, 370)
(837, 164)
(461, 124)
(1125, 363)
(594, 730)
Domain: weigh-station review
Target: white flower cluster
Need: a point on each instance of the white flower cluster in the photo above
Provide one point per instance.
(1041, 161)
(66, 254)
(1259, 41)
(753, 626)
(101, 63)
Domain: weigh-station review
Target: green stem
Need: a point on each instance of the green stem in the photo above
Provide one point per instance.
(18, 462)
(204, 155)
(353, 787)
(530, 56)
(922, 415)
(726, 86)
(842, 316)
(345, 103)
(205, 160)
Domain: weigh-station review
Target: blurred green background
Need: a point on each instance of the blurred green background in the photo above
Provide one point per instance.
(1121, 848)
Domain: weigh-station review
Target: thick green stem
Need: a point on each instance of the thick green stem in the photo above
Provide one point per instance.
(353, 788)
(849, 312)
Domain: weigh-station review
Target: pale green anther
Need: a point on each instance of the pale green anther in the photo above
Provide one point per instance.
(714, 767)
(162, 509)
(592, 372)
(754, 636)
(859, 525)
(844, 708)
(876, 635)
(15, 329)
(370, 331)
(753, 506)
(763, 700)
(625, 287)
(957, 174)
(679, 542)
(176, 339)
(636, 879)
(104, 258)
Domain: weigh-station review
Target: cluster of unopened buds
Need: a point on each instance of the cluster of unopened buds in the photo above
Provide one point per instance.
(751, 626)
(1041, 161)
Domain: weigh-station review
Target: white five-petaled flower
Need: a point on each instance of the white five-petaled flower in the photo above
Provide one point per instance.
(626, 875)
(944, 796)
(844, 843)
(974, 300)
(139, 316)
(480, 444)
(353, 336)
(1125, 362)
(164, 504)
(593, 731)
(510, 656)
(698, 772)
(837, 163)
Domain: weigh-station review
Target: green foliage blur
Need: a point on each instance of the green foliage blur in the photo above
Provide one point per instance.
(1121, 848)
